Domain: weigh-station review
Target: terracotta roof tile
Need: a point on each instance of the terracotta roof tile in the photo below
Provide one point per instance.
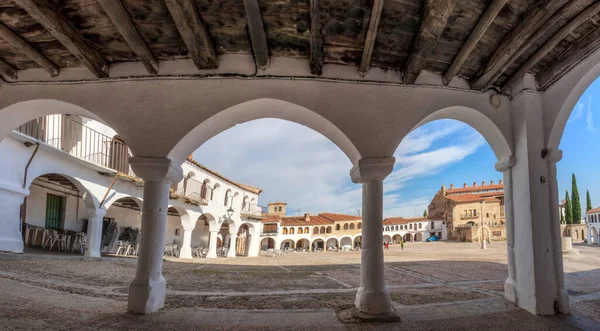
(340, 217)
(270, 218)
(299, 221)
(593, 210)
(278, 203)
(402, 220)
(465, 198)
(240, 185)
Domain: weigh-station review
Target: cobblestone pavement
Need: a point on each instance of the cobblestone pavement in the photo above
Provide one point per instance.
(424, 277)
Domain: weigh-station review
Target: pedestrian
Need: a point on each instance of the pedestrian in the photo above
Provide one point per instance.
(402, 244)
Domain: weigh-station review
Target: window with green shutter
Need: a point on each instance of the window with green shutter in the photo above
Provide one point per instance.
(54, 212)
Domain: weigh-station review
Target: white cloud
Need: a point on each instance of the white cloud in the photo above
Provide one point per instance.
(589, 117)
(295, 164)
(577, 112)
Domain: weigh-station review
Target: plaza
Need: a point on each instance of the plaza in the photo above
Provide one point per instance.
(457, 284)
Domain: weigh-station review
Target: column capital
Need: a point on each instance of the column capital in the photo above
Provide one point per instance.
(373, 168)
(96, 212)
(11, 189)
(156, 169)
(554, 155)
(505, 163)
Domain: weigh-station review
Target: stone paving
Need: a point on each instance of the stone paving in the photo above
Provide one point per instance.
(428, 282)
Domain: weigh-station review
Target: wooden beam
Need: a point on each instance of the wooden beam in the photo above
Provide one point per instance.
(316, 39)
(61, 29)
(515, 40)
(193, 32)
(482, 25)
(578, 52)
(258, 36)
(432, 25)
(590, 11)
(365, 61)
(24, 47)
(120, 18)
(8, 70)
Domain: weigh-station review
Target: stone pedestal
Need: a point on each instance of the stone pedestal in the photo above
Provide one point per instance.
(567, 244)
(147, 291)
(186, 244)
(11, 199)
(212, 245)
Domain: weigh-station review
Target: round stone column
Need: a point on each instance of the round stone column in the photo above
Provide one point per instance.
(11, 199)
(212, 245)
(232, 242)
(147, 291)
(505, 166)
(373, 299)
(94, 231)
(186, 244)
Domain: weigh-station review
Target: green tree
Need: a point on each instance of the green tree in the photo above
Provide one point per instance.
(568, 212)
(575, 202)
(425, 213)
(588, 201)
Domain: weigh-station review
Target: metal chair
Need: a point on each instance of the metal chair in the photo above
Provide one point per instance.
(79, 242)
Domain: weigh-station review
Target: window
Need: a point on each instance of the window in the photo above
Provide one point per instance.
(351, 226)
(177, 231)
(299, 230)
(346, 226)
(329, 229)
(487, 214)
(322, 229)
(55, 211)
(291, 231)
(359, 225)
(410, 226)
(279, 208)
(420, 225)
(474, 212)
(306, 230)
(270, 228)
(432, 225)
(284, 231)
(337, 227)
(316, 231)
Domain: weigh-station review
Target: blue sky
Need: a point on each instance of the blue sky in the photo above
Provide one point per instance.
(295, 164)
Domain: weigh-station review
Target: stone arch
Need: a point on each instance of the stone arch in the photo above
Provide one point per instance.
(332, 242)
(90, 200)
(214, 194)
(408, 237)
(259, 109)
(359, 226)
(346, 241)
(245, 239)
(267, 243)
(303, 243)
(593, 235)
(246, 203)
(328, 230)
(186, 220)
(318, 242)
(387, 238)
(351, 226)
(291, 231)
(228, 194)
(307, 230)
(287, 243)
(109, 202)
(500, 143)
(284, 231)
(419, 237)
(562, 96)
(21, 112)
(337, 227)
(397, 238)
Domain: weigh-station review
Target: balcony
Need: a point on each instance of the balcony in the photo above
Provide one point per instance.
(252, 211)
(64, 133)
(468, 217)
(269, 231)
(191, 191)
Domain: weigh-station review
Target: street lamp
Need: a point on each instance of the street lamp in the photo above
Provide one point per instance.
(229, 213)
(482, 235)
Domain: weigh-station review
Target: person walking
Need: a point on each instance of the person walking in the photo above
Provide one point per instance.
(402, 244)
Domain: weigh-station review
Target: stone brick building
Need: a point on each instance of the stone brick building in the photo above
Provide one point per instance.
(465, 209)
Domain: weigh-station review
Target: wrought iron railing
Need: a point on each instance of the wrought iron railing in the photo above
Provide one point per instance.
(68, 135)
(192, 189)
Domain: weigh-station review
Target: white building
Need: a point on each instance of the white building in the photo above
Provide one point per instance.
(396, 229)
(75, 176)
(592, 219)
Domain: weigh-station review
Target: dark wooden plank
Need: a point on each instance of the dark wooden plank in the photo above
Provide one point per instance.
(258, 36)
(24, 47)
(552, 42)
(8, 70)
(120, 18)
(515, 41)
(316, 39)
(578, 52)
(365, 61)
(482, 25)
(193, 32)
(432, 25)
(61, 29)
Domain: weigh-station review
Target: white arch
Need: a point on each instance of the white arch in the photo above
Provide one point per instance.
(85, 188)
(258, 109)
(478, 121)
(118, 197)
(184, 216)
(21, 112)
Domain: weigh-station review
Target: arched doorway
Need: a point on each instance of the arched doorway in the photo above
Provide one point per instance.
(287, 244)
(318, 244)
(346, 241)
(332, 244)
(303, 244)
(397, 238)
(244, 240)
(201, 233)
(357, 242)
(387, 239)
(121, 228)
(408, 237)
(419, 237)
(593, 235)
(267, 243)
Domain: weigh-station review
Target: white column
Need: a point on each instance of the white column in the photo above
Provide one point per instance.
(233, 242)
(212, 245)
(186, 244)
(505, 166)
(11, 199)
(253, 240)
(147, 291)
(372, 298)
(537, 286)
(553, 157)
(94, 232)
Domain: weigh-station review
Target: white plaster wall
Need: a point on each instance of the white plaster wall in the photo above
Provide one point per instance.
(36, 208)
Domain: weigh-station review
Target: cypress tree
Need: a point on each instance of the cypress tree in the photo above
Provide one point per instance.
(588, 201)
(568, 213)
(425, 213)
(575, 203)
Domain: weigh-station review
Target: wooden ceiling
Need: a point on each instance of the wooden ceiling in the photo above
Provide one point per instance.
(490, 43)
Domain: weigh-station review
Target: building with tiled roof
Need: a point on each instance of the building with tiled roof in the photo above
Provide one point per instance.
(470, 206)
(592, 222)
(396, 229)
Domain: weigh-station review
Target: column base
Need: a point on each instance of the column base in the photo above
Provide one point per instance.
(211, 256)
(147, 297)
(510, 290)
(11, 245)
(92, 253)
(563, 301)
(373, 303)
(185, 253)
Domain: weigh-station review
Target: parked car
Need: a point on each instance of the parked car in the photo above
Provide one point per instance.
(433, 238)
